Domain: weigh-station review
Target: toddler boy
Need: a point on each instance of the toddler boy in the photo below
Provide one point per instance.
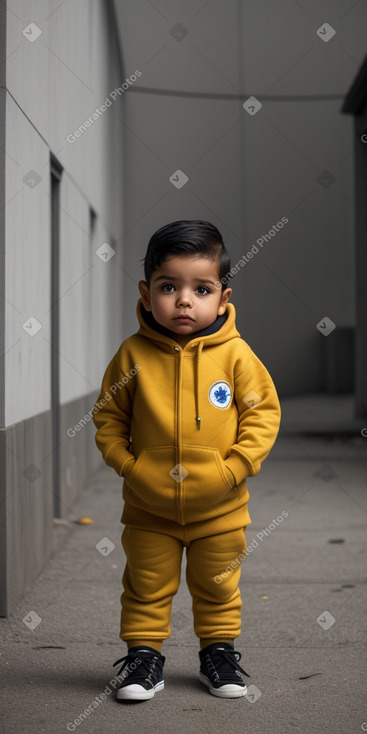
(186, 412)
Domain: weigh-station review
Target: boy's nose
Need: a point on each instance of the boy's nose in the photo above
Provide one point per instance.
(184, 298)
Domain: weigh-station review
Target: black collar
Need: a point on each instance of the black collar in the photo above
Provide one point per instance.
(211, 329)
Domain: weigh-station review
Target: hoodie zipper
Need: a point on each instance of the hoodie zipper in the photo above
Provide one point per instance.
(180, 499)
(199, 347)
(180, 355)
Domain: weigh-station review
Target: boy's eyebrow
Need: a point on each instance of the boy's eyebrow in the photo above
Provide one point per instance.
(198, 280)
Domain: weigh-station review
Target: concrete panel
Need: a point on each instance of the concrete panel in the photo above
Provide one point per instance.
(27, 238)
(103, 329)
(78, 452)
(284, 55)
(184, 47)
(26, 499)
(75, 272)
(90, 327)
(305, 271)
(250, 47)
(60, 78)
(27, 504)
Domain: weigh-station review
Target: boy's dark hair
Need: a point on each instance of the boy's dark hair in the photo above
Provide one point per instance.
(187, 237)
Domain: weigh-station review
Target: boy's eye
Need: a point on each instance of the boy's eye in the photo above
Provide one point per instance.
(203, 290)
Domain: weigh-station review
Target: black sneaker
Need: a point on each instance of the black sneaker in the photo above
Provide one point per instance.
(142, 670)
(220, 671)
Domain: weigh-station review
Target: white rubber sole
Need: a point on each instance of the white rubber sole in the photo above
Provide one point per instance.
(228, 691)
(138, 693)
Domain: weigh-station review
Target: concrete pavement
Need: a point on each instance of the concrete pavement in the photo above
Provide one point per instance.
(304, 605)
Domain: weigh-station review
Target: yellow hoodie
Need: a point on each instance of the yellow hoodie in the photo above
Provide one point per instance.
(186, 425)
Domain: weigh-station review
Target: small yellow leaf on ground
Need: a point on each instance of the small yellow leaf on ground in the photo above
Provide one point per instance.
(84, 521)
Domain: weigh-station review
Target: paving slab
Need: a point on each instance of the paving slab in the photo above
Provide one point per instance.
(304, 595)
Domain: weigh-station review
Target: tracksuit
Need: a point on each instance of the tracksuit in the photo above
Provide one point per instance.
(185, 427)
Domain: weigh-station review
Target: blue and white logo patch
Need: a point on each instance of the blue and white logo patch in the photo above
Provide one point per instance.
(220, 394)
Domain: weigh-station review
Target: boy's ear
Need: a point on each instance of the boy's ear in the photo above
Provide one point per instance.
(144, 292)
(224, 300)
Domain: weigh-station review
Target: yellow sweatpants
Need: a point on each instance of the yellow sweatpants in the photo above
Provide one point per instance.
(152, 576)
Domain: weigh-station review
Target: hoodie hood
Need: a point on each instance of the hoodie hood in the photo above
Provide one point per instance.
(221, 330)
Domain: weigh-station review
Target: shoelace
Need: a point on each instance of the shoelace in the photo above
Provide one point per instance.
(232, 657)
(131, 657)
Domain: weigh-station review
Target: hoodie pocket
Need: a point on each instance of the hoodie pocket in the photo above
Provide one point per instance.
(207, 480)
(151, 481)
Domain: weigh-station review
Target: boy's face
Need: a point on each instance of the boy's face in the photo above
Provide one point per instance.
(185, 286)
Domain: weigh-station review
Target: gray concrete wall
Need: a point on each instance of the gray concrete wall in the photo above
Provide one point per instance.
(247, 171)
(60, 63)
(360, 122)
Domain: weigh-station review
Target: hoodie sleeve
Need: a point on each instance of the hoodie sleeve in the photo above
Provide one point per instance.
(258, 419)
(112, 415)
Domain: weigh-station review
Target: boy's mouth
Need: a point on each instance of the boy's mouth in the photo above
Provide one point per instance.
(183, 318)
